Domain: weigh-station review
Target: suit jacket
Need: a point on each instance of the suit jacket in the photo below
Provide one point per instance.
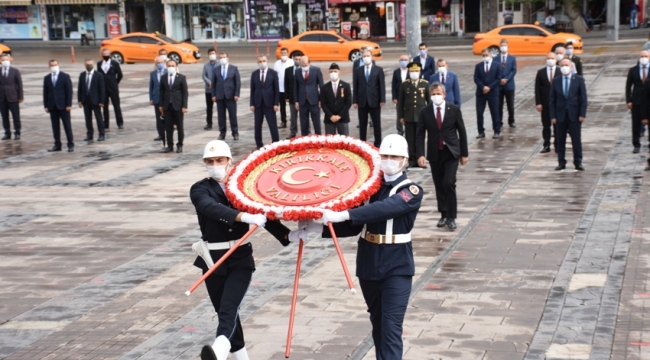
(303, 91)
(11, 87)
(396, 82)
(154, 86)
(635, 89)
(267, 94)
(543, 86)
(289, 82)
(508, 71)
(208, 70)
(491, 79)
(358, 63)
(372, 92)
(178, 92)
(97, 91)
(229, 88)
(452, 86)
(57, 96)
(453, 132)
(336, 104)
(113, 76)
(428, 68)
(575, 104)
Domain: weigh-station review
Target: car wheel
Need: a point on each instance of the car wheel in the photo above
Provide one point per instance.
(556, 46)
(296, 53)
(175, 57)
(494, 51)
(117, 57)
(355, 55)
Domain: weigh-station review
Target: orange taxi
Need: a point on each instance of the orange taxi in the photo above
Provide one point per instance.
(525, 39)
(327, 46)
(4, 49)
(144, 47)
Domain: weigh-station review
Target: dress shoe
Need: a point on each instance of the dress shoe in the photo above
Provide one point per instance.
(236, 137)
(579, 167)
(512, 125)
(207, 353)
(70, 148)
(442, 222)
(17, 137)
(88, 138)
(545, 149)
(496, 136)
(291, 137)
(207, 127)
(101, 138)
(158, 139)
(120, 127)
(221, 137)
(168, 150)
(451, 224)
(481, 135)
(179, 149)
(283, 125)
(6, 137)
(53, 149)
(560, 167)
(636, 150)
(357, 126)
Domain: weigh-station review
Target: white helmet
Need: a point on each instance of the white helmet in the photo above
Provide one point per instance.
(216, 148)
(394, 144)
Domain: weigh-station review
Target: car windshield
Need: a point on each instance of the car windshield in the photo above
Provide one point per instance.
(347, 38)
(167, 39)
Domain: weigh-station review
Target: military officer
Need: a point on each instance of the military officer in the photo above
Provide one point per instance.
(221, 225)
(413, 96)
(577, 61)
(385, 265)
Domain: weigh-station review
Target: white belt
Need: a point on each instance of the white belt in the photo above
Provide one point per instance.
(225, 245)
(387, 239)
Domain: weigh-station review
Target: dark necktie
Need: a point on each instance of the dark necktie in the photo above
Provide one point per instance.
(439, 121)
(550, 75)
(53, 79)
(486, 68)
(170, 87)
(367, 73)
(645, 74)
(306, 76)
(443, 78)
(503, 62)
(262, 78)
(88, 81)
(566, 87)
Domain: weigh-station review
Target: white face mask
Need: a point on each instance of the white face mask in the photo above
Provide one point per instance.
(504, 49)
(305, 68)
(559, 57)
(391, 167)
(263, 65)
(437, 99)
(566, 70)
(223, 61)
(643, 61)
(487, 59)
(283, 58)
(414, 75)
(218, 173)
(367, 60)
(550, 62)
(442, 69)
(164, 57)
(54, 69)
(171, 71)
(334, 76)
(213, 57)
(5, 63)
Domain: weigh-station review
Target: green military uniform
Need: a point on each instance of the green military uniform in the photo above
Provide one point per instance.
(577, 62)
(413, 96)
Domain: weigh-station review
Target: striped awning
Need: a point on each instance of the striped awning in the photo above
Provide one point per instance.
(73, 2)
(15, 2)
(198, 1)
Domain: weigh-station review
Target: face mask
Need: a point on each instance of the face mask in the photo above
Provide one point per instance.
(283, 58)
(643, 61)
(403, 63)
(89, 68)
(414, 75)
(106, 57)
(164, 57)
(218, 173)
(487, 59)
(263, 65)
(423, 53)
(504, 49)
(442, 70)
(305, 68)
(559, 57)
(367, 60)
(569, 52)
(171, 71)
(334, 76)
(55, 69)
(437, 99)
(223, 61)
(5, 63)
(550, 62)
(391, 167)
(213, 57)
(566, 70)
(160, 66)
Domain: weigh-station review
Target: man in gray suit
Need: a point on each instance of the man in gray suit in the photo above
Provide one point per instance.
(306, 94)
(226, 84)
(208, 71)
(11, 94)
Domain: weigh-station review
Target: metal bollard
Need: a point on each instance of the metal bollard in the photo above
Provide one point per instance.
(257, 49)
(267, 47)
(72, 53)
(215, 45)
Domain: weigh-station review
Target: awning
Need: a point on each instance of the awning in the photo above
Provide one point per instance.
(14, 2)
(198, 1)
(72, 2)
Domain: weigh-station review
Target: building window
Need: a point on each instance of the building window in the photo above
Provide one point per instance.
(218, 21)
(20, 22)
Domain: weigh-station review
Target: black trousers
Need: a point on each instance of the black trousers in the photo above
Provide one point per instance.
(637, 125)
(409, 135)
(5, 108)
(547, 126)
(209, 106)
(574, 130)
(283, 108)
(89, 109)
(305, 111)
(267, 112)
(444, 172)
(355, 30)
(399, 126)
(375, 116)
(114, 97)
(64, 117)
(340, 128)
(509, 97)
(293, 123)
(231, 106)
(174, 117)
(387, 300)
(492, 102)
(160, 122)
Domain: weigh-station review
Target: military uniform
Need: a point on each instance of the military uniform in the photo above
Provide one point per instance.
(577, 62)
(413, 96)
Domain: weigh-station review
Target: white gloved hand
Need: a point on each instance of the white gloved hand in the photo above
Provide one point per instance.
(296, 235)
(254, 219)
(311, 226)
(334, 216)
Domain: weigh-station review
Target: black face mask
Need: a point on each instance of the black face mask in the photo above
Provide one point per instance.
(89, 67)
(106, 57)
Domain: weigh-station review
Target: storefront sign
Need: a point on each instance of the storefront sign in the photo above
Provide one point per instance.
(364, 29)
(113, 21)
(20, 22)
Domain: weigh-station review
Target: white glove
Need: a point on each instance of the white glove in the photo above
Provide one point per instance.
(254, 219)
(310, 226)
(335, 217)
(296, 235)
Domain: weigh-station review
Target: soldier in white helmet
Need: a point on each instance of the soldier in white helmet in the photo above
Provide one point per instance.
(221, 226)
(385, 265)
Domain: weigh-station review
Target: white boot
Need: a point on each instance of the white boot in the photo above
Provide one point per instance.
(221, 347)
(240, 354)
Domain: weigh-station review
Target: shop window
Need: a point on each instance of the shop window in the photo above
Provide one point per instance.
(310, 37)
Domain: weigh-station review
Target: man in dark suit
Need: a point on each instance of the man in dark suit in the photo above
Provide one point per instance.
(112, 77)
(90, 96)
(543, 82)
(359, 62)
(11, 94)
(57, 100)
(289, 82)
(568, 109)
(399, 76)
(336, 99)
(308, 80)
(508, 65)
(265, 100)
(173, 104)
(450, 80)
(154, 95)
(426, 61)
(635, 94)
(226, 85)
(446, 143)
(369, 96)
(487, 77)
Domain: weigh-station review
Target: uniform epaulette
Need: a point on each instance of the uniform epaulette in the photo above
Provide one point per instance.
(425, 80)
(405, 80)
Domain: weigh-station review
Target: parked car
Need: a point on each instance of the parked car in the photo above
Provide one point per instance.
(144, 47)
(4, 49)
(524, 39)
(327, 46)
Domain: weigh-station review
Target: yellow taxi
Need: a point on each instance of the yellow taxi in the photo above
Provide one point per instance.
(327, 46)
(4, 49)
(525, 39)
(144, 47)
